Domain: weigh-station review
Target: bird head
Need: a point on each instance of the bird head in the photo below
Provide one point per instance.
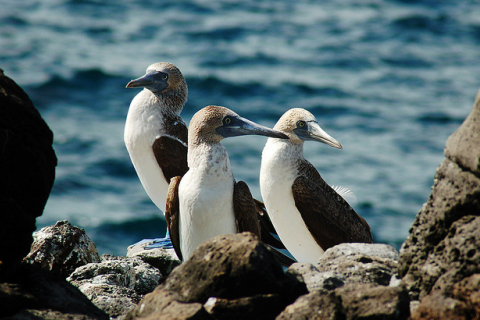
(214, 123)
(160, 77)
(300, 125)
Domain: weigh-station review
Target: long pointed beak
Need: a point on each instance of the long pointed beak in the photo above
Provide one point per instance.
(240, 126)
(315, 133)
(142, 82)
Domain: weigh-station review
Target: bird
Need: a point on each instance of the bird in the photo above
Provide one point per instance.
(308, 214)
(155, 134)
(207, 201)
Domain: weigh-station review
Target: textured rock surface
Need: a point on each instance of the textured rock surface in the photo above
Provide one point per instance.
(27, 169)
(318, 304)
(238, 270)
(464, 303)
(443, 245)
(349, 263)
(116, 284)
(62, 248)
(33, 293)
(441, 255)
(163, 259)
(377, 250)
(353, 301)
(374, 302)
(463, 146)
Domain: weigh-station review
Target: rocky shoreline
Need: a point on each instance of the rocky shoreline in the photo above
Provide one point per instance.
(436, 274)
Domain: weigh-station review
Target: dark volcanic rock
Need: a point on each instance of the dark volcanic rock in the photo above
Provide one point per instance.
(441, 254)
(33, 293)
(163, 259)
(27, 169)
(353, 301)
(463, 146)
(443, 245)
(231, 276)
(374, 302)
(463, 304)
(116, 284)
(62, 248)
(318, 304)
(349, 263)
(468, 291)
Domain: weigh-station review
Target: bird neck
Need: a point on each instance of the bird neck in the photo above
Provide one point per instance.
(172, 101)
(208, 158)
(283, 148)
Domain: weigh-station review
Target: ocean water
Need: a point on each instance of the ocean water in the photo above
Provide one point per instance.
(390, 80)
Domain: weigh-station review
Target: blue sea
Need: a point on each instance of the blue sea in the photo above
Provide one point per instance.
(390, 80)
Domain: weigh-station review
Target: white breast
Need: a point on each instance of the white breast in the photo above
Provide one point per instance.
(206, 201)
(143, 125)
(277, 174)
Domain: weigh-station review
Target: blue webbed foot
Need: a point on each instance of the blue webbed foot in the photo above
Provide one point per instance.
(157, 242)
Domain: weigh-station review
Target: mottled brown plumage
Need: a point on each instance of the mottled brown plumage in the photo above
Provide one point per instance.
(330, 219)
(171, 154)
(307, 213)
(172, 214)
(155, 133)
(210, 182)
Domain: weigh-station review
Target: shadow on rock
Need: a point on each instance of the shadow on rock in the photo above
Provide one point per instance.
(27, 170)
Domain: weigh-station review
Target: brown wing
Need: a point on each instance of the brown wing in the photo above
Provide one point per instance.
(247, 217)
(172, 214)
(171, 152)
(266, 226)
(328, 217)
(245, 210)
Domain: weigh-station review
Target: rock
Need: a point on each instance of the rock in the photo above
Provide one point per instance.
(314, 279)
(318, 304)
(463, 304)
(166, 305)
(378, 250)
(353, 301)
(349, 263)
(463, 146)
(116, 284)
(34, 293)
(367, 301)
(442, 246)
(439, 306)
(444, 236)
(260, 306)
(468, 291)
(62, 248)
(233, 275)
(27, 170)
(163, 259)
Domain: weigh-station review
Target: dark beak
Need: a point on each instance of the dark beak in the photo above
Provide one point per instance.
(240, 126)
(153, 80)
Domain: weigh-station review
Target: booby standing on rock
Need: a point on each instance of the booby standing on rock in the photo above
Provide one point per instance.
(307, 213)
(155, 134)
(207, 201)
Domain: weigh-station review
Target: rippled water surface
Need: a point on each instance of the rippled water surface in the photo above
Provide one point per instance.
(390, 80)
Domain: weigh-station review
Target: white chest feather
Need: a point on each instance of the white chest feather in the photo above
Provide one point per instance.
(277, 174)
(143, 125)
(206, 200)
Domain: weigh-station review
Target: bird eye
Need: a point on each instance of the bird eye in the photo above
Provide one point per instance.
(165, 77)
(227, 120)
(301, 124)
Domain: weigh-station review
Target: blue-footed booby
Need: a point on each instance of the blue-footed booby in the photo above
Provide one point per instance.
(207, 201)
(308, 215)
(155, 134)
